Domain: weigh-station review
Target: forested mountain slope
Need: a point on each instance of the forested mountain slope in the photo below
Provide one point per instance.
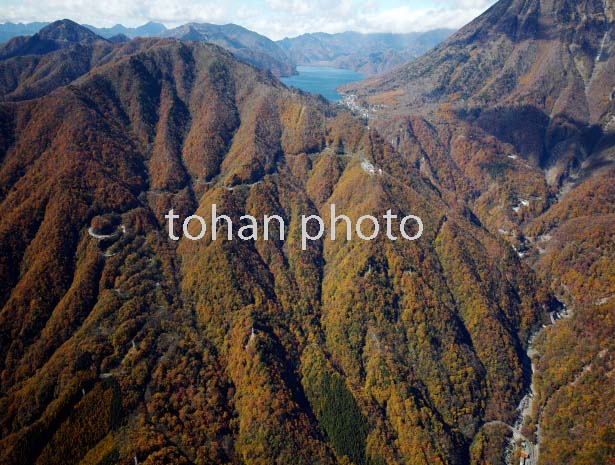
(61, 53)
(118, 343)
(76, 40)
(514, 115)
(246, 45)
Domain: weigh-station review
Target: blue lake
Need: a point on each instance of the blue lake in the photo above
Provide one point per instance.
(322, 80)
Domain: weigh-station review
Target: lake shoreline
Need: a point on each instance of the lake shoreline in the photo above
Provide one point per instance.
(323, 80)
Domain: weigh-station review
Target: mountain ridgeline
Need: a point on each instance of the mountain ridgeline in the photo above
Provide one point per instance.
(120, 346)
(368, 54)
(247, 46)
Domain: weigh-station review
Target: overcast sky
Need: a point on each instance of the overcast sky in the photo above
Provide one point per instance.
(273, 18)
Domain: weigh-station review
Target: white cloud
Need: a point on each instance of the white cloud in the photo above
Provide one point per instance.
(299, 17)
(310, 8)
(404, 19)
(273, 18)
(473, 4)
(110, 12)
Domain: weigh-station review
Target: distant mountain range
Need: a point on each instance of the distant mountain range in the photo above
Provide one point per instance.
(368, 54)
(246, 45)
(59, 35)
(32, 66)
(150, 29)
(9, 30)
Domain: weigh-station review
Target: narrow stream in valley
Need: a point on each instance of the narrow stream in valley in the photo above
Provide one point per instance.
(526, 404)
